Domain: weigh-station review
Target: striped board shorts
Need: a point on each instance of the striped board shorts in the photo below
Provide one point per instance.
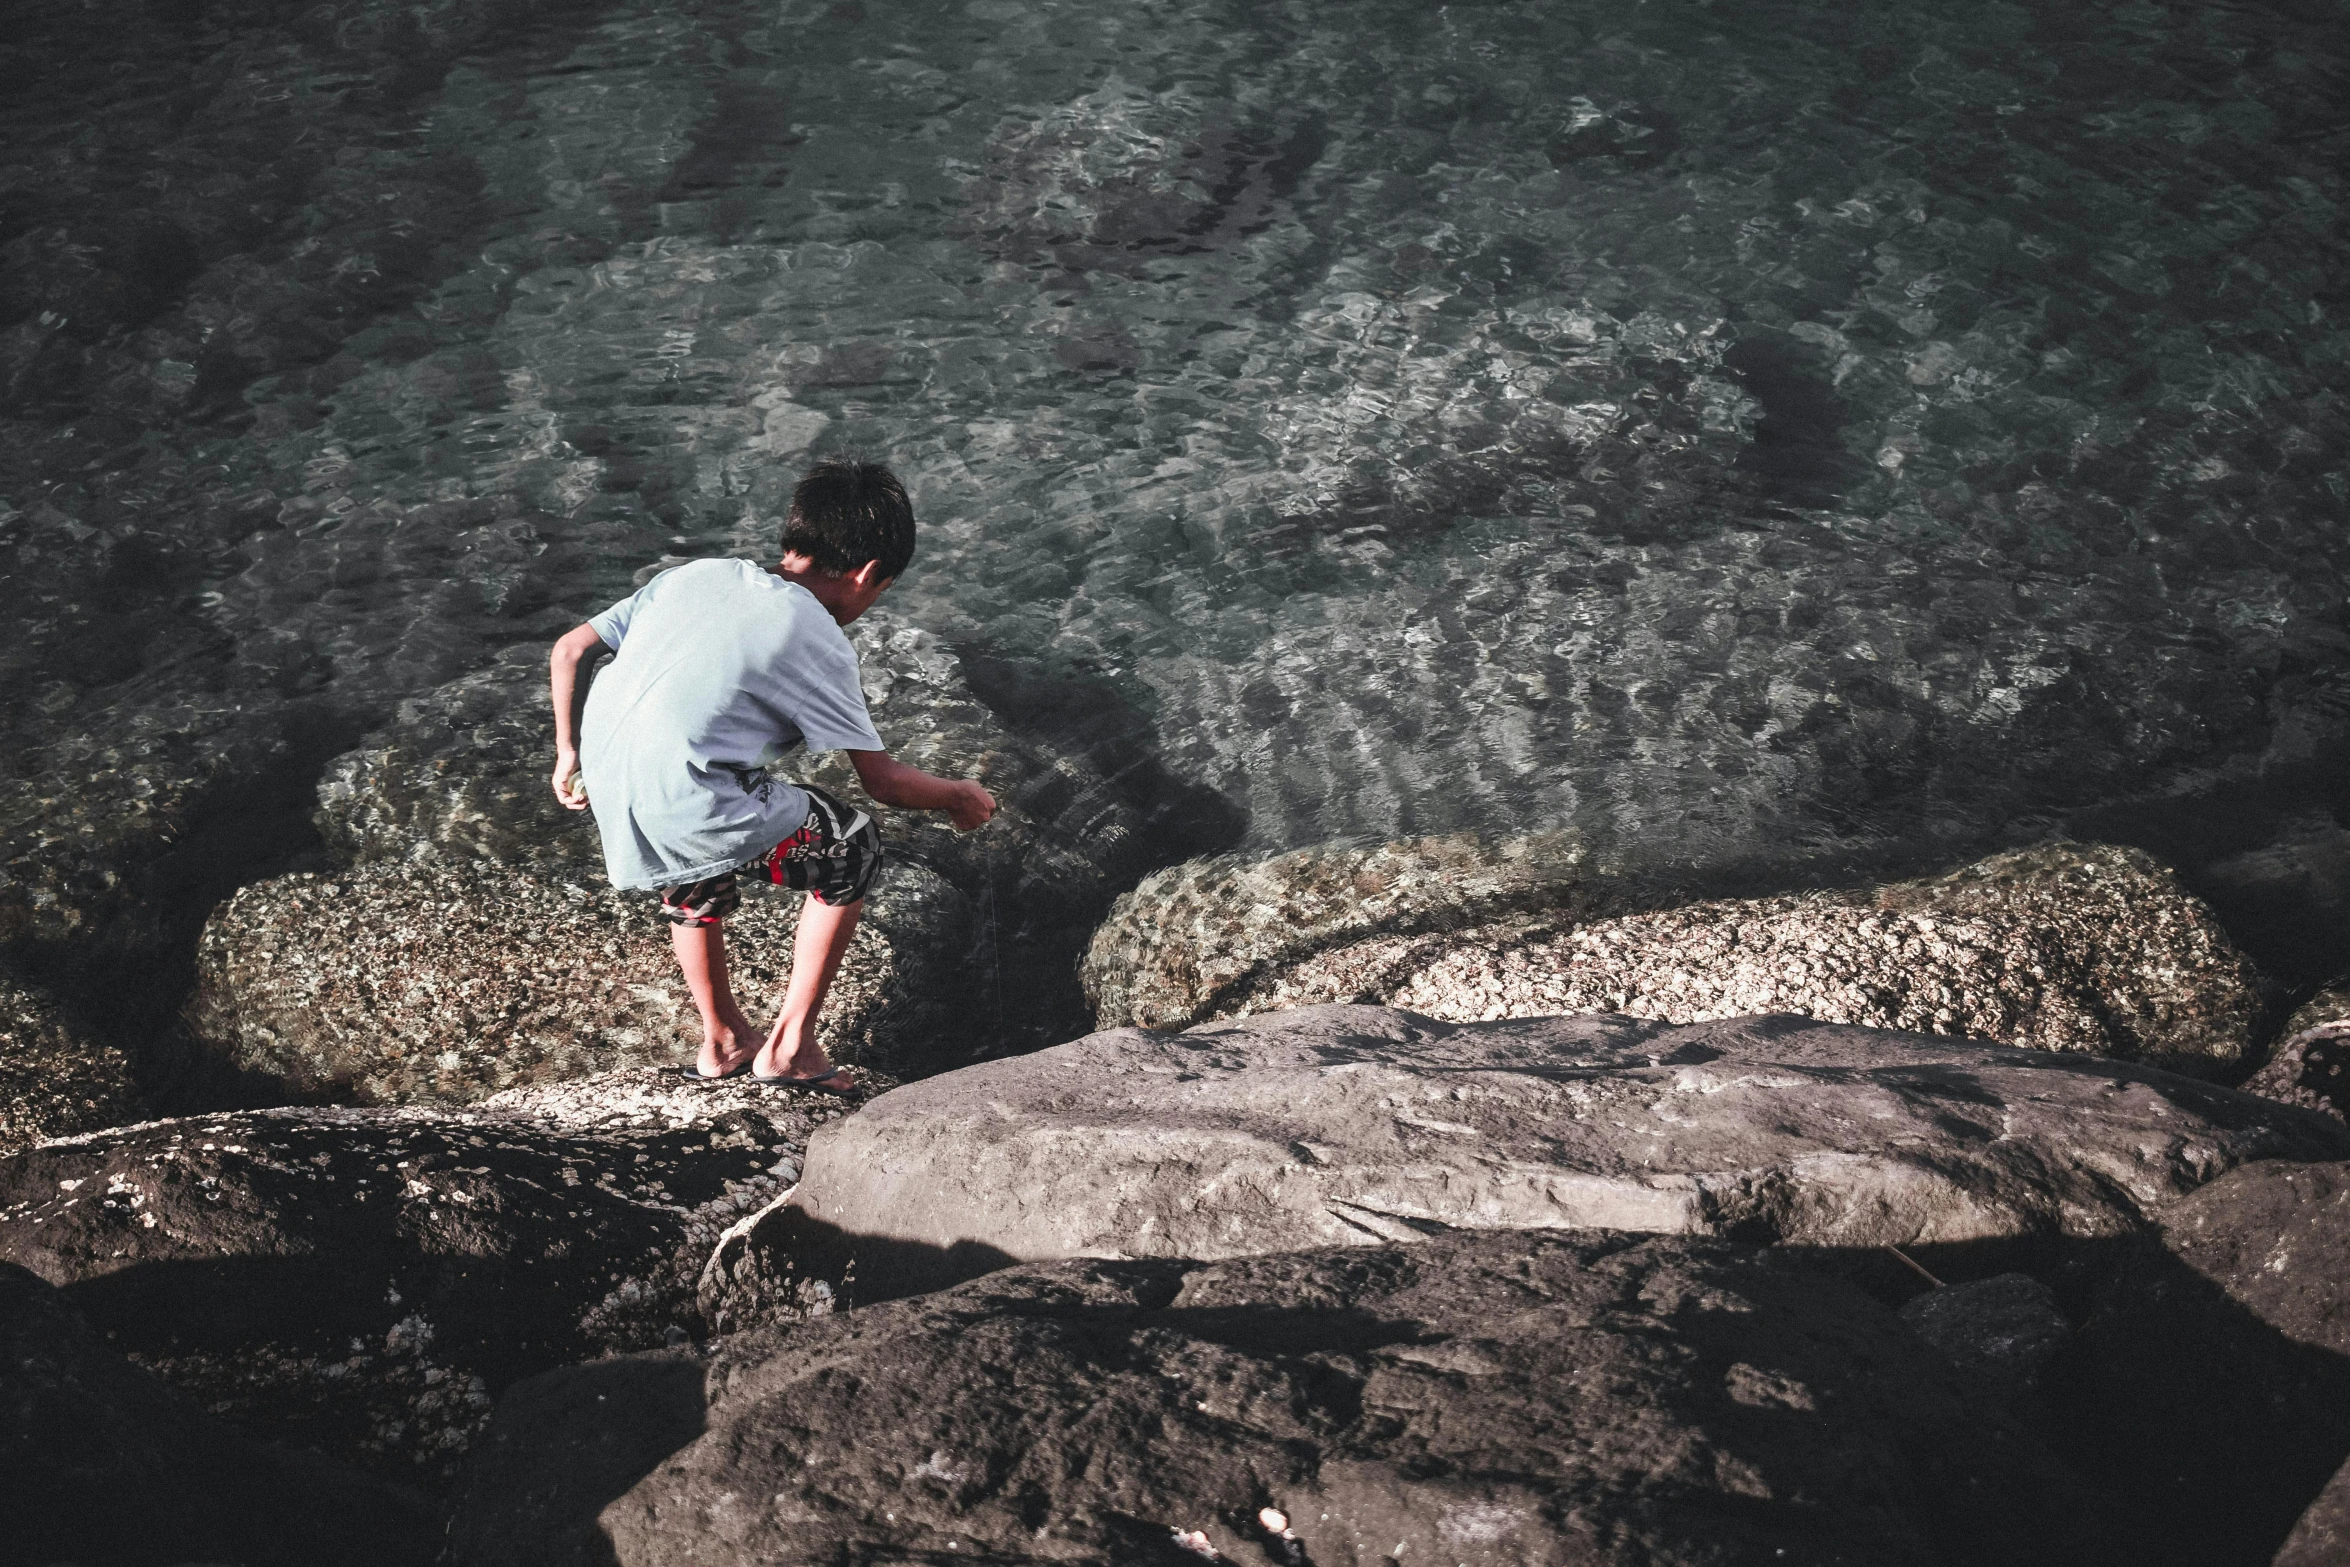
(833, 858)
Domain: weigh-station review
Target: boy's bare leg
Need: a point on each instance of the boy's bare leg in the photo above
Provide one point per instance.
(728, 1037)
(791, 1049)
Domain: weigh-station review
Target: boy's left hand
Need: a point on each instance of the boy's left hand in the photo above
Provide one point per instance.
(568, 786)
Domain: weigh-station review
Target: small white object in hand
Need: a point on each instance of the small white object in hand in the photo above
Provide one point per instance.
(1276, 1522)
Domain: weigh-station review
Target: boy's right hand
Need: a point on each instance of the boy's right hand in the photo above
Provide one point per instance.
(974, 805)
(568, 786)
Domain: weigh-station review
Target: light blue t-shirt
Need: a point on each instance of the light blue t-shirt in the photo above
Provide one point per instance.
(722, 668)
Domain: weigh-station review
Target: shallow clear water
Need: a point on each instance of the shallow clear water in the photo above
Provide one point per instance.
(1721, 428)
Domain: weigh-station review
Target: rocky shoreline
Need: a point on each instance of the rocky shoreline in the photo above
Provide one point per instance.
(1451, 1196)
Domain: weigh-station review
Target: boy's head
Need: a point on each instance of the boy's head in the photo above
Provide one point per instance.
(847, 513)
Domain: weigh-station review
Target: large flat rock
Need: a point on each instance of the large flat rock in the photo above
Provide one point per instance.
(1337, 1125)
(1593, 1398)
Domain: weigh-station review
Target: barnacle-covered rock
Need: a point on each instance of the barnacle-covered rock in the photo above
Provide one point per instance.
(399, 982)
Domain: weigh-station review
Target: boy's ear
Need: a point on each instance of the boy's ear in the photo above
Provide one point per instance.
(867, 575)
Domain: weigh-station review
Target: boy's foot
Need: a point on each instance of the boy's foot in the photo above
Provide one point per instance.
(722, 1057)
(694, 1074)
(836, 1081)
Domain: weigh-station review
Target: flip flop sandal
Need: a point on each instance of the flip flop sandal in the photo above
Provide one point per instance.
(837, 1081)
(695, 1075)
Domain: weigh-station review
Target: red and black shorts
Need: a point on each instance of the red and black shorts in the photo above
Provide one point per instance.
(833, 858)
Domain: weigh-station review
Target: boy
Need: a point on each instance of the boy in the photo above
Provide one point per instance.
(721, 668)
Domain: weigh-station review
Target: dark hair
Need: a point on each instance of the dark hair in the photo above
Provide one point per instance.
(846, 513)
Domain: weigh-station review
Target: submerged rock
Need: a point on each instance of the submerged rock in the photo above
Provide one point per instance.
(100, 1462)
(451, 980)
(366, 1280)
(2215, 1372)
(1358, 1125)
(1590, 1397)
(55, 1080)
(461, 773)
(2074, 947)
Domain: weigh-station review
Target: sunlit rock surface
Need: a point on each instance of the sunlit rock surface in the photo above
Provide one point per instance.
(2079, 947)
(399, 982)
(368, 1281)
(1587, 1397)
(1353, 1125)
(1720, 431)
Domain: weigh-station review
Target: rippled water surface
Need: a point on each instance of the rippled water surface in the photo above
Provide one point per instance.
(1714, 427)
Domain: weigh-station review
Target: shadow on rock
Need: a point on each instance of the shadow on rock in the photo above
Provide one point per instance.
(2210, 1385)
(568, 1444)
(101, 1463)
(1584, 1395)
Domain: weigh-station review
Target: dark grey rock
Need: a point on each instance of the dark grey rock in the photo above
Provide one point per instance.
(449, 980)
(2001, 1331)
(2322, 1536)
(2071, 947)
(2309, 1067)
(367, 1280)
(1338, 1125)
(1586, 1397)
(2214, 1374)
(55, 1079)
(100, 1462)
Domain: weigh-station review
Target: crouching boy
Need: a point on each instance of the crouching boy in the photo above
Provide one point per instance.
(720, 669)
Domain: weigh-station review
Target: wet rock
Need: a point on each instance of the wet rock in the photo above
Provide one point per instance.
(2071, 947)
(100, 1462)
(1180, 945)
(366, 1280)
(54, 1079)
(2322, 1537)
(1587, 1396)
(399, 982)
(2309, 1067)
(2214, 1375)
(1357, 1125)
(2000, 1332)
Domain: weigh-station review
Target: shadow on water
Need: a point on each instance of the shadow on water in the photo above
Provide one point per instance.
(1122, 814)
(2270, 853)
(1797, 453)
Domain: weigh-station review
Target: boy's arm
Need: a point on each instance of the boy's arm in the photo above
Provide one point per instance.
(576, 647)
(892, 782)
